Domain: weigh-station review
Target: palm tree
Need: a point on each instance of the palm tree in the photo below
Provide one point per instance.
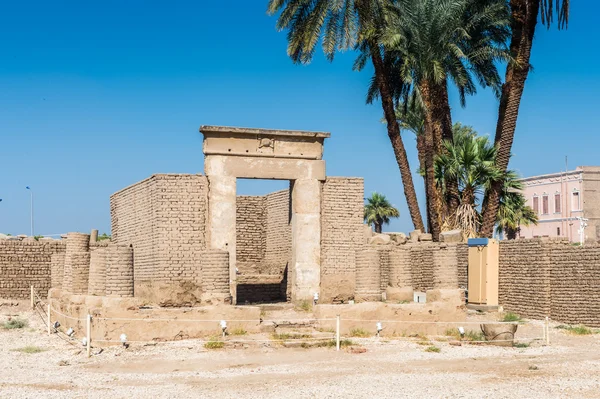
(437, 42)
(513, 212)
(378, 211)
(523, 24)
(343, 25)
(470, 161)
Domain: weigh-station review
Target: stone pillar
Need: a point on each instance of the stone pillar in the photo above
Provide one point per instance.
(400, 270)
(445, 267)
(97, 280)
(221, 220)
(400, 287)
(119, 271)
(368, 276)
(77, 263)
(94, 236)
(306, 239)
(215, 276)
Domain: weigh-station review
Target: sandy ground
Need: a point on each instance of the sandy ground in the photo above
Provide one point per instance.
(570, 367)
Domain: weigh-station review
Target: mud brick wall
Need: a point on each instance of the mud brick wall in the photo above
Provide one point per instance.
(545, 277)
(342, 234)
(462, 257)
(215, 271)
(57, 269)
(425, 266)
(400, 270)
(524, 278)
(445, 267)
(119, 271)
(575, 284)
(368, 275)
(421, 260)
(26, 263)
(164, 219)
(77, 263)
(97, 279)
(250, 229)
(278, 232)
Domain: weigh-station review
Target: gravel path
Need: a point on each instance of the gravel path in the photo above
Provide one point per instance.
(388, 369)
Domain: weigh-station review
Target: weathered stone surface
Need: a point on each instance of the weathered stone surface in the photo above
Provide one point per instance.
(414, 235)
(499, 334)
(425, 237)
(380, 239)
(452, 236)
(399, 294)
(306, 239)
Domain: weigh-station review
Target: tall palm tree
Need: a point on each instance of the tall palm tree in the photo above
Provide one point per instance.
(469, 160)
(436, 43)
(378, 211)
(343, 25)
(513, 211)
(523, 24)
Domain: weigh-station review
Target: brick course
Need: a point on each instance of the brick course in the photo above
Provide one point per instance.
(342, 234)
(26, 263)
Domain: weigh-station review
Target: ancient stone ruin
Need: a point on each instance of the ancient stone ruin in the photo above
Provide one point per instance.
(187, 243)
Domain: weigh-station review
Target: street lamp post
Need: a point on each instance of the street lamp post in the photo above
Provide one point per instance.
(31, 191)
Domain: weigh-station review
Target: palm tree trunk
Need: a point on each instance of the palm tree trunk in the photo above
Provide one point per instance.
(435, 119)
(511, 234)
(378, 227)
(421, 153)
(524, 21)
(387, 102)
(452, 193)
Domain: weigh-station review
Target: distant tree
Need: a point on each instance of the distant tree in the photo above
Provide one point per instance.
(104, 236)
(378, 211)
(470, 161)
(513, 213)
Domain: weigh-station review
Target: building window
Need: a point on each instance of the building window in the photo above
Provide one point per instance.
(558, 231)
(556, 203)
(545, 205)
(536, 205)
(576, 202)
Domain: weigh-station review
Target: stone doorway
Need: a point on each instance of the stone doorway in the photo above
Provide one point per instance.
(263, 241)
(231, 153)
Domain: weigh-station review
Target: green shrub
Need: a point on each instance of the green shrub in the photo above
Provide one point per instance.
(29, 349)
(434, 349)
(510, 317)
(286, 336)
(214, 344)
(238, 331)
(14, 323)
(521, 345)
(331, 343)
(576, 330)
(305, 306)
(359, 333)
(474, 336)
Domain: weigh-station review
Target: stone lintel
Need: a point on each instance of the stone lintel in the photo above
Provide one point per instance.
(265, 143)
(264, 168)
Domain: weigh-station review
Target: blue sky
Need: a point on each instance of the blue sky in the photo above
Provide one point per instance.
(95, 96)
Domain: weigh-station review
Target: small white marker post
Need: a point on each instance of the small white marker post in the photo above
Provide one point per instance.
(547, 331)
(89, 334)
(32, 300)
(337, 332)
(49, 325)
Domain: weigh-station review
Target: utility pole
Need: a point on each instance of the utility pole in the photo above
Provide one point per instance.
(31, 191)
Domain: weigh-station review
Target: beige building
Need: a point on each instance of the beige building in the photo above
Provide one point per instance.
(564, 202)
